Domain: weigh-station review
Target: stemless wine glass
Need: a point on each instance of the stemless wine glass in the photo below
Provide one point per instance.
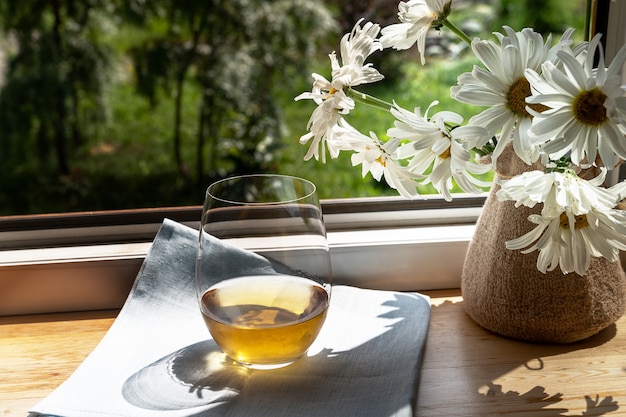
(263, 309)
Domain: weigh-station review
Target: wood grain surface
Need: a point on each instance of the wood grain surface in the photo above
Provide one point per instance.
(467, 371)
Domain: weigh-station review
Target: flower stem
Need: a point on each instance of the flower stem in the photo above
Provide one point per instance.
(368, 99)
(457, 31)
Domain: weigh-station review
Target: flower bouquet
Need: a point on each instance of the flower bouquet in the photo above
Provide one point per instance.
(552, 108)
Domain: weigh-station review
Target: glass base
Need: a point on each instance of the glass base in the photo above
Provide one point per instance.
(265, 366)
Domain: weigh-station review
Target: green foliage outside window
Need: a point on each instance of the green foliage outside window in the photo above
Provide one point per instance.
(108, 104)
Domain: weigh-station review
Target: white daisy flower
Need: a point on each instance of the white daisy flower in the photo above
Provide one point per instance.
(432, 146)
(416, 17)
(570, 240)
(558, 191)
(578, 219)
(377, 158)
(331, 96)
(502, 85)
(356, 47)
(527, 189)
(585, 115)
(324, 119)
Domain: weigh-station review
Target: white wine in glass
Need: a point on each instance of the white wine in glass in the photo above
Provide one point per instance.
(266, 312)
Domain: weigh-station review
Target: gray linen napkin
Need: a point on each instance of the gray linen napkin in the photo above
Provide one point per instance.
(158, 359)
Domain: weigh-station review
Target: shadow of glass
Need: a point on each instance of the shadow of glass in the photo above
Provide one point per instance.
(376, 377)
(194, 376)
(509, 354)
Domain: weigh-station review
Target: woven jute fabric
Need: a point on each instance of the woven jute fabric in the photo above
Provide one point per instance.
(504, 292)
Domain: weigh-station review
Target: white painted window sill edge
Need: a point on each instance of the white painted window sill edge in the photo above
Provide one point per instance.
(94, 277)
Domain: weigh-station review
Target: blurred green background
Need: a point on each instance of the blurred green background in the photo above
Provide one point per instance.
(113, 104)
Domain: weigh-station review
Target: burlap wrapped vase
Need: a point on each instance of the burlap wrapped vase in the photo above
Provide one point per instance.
(504, 292)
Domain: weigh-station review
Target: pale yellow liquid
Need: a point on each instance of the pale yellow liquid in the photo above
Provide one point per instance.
(267, 320)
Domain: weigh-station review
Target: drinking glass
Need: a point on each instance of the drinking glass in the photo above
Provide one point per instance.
(263, 310)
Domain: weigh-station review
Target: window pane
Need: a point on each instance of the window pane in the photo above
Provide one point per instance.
(125, 104)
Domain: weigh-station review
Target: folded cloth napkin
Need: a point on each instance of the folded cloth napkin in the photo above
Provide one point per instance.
(158, 359)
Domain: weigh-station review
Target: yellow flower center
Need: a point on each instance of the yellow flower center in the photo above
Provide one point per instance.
(589, 107)
(331, 92)
(381, 161)
(516, 99)
(580, 221)
(438, 20)
(445, 154)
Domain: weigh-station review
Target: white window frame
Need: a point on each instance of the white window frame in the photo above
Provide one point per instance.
(86, 261)
(91, 262)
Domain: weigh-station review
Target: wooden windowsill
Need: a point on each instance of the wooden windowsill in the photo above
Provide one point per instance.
(466, 371)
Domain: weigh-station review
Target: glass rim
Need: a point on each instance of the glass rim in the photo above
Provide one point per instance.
(248, 203)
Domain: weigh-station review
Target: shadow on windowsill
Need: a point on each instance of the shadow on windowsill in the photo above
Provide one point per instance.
(489, 365)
